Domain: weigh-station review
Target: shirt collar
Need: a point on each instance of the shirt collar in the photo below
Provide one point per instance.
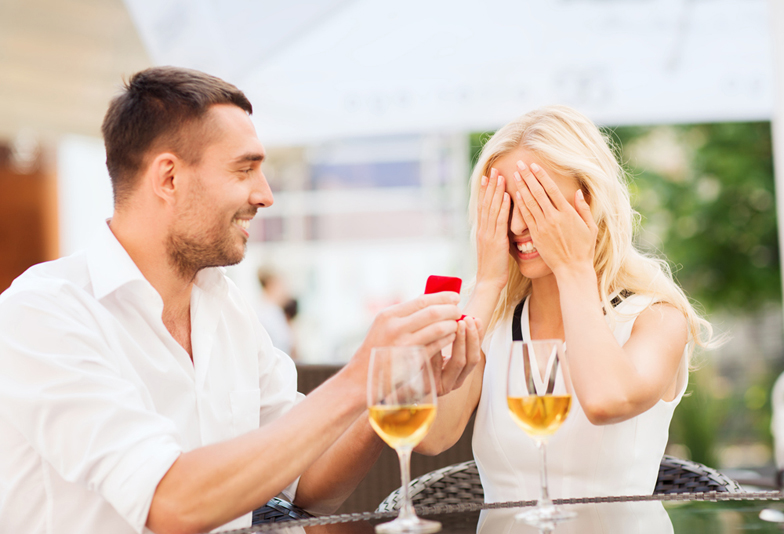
(111, 267)
(212, 279)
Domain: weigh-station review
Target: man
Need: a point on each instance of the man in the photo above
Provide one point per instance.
(138, 391)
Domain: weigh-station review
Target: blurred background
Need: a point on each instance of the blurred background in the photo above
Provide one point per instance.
(373, 113)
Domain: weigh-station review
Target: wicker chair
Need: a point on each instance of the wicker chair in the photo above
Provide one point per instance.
(277, 510)
(460, 483)
(684, 476)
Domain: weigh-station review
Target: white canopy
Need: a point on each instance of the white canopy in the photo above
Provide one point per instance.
(320, 69)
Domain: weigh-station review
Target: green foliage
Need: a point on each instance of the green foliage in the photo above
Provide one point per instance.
(716, 411)
(697, 420)
(477, 140)
(749, 410)
(718, 517)
(707, 191)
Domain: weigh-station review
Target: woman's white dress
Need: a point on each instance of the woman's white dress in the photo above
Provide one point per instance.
(583, 460)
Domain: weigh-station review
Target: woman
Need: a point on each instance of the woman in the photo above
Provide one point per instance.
(553, 225)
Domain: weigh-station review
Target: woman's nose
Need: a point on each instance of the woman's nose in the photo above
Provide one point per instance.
(516, 222)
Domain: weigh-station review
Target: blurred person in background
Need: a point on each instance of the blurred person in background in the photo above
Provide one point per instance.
(137, 388)
(553, 228)
(271, 312)
(291, 311)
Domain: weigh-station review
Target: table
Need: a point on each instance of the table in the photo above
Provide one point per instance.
(720, 513)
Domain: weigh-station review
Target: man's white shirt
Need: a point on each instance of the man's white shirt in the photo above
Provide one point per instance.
(97, 399)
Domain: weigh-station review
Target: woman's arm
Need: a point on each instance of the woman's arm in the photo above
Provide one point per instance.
(454, 412)
(455, 408)
(617, 383)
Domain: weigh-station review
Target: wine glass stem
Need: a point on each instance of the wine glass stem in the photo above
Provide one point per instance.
(404, 455)
(545, 495)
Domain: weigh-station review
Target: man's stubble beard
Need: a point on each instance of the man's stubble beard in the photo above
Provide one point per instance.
(189, 252)
(189, 256)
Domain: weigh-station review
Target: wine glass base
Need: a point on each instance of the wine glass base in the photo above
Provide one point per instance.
(546, 516)
(413, 525)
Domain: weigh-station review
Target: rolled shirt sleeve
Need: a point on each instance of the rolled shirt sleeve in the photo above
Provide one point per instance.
(278, 381)
(63, 391)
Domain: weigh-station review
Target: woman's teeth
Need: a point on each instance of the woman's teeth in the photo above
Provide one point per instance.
(242, 223)
(526, 248)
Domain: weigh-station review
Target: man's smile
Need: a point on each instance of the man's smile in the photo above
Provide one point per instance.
(242, 223)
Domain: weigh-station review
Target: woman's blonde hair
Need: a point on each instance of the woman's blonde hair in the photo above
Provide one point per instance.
(572, 145)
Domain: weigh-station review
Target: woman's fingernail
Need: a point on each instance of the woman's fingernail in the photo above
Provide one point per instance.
(518, 177)
(535, 167)
(580, 194)
(484, 180)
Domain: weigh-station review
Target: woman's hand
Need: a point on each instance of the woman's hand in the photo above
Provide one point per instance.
(492, 240)
(565, 236)
(456, 362)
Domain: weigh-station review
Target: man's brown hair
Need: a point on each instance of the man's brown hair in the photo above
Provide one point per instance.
(160, 107)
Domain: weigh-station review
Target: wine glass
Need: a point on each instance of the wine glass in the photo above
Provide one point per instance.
(539, 395)
(401, 398)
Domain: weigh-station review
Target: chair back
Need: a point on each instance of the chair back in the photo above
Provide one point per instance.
(685, 476)
(454, 484)
(460, 483)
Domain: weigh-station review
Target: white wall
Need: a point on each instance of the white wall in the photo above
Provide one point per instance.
(84, 191)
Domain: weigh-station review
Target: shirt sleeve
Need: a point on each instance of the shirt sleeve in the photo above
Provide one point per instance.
(278, 385)
(61, 387)
(277, 378)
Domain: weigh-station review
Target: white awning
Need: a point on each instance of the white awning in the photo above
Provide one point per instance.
(321, 69)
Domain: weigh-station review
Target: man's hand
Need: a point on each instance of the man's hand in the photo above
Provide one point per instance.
(428, 320)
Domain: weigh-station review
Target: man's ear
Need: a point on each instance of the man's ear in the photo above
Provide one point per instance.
(162, 174)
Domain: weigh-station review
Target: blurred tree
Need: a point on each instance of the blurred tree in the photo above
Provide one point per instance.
(477, 140)
(698, 420)
(706, 196)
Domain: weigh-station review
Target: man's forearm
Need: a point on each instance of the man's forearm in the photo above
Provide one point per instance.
(212, 485)
(335, 475)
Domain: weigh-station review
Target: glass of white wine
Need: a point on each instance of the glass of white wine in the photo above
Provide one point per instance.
(539, 395)
(402, 406)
